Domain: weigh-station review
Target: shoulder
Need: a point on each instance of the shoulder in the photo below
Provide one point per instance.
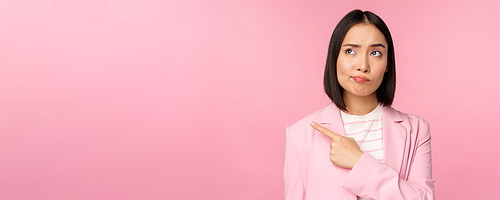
(317, 116)
(416, 125)
(302, 132)
(404, 117)
(300, 135)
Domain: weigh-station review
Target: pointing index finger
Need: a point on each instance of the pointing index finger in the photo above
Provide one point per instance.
(324, 130)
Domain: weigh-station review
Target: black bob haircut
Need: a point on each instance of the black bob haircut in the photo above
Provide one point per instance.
(385, 92)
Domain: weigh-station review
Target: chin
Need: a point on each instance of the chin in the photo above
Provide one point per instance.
(362, 93)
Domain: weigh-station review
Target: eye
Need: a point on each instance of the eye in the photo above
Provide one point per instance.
(350, 51)
(376, 53)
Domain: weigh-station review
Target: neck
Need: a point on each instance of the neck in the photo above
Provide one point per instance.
(360, 105)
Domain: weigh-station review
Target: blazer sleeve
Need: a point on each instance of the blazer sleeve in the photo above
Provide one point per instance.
(371, 179)
(293, 177)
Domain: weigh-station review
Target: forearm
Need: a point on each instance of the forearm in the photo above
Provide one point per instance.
(371, 179)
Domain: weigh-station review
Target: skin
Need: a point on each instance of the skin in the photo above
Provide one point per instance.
(363, 54)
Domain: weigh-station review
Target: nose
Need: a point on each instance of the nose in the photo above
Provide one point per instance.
(363, 65)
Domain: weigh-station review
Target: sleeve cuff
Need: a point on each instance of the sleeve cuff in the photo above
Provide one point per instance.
(359, 177)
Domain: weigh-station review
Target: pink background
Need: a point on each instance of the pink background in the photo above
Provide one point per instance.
(150, 99)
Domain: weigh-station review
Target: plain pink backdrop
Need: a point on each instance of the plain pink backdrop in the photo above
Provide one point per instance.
(150, 99)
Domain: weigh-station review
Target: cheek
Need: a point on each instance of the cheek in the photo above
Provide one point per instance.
(342, 67)
(378, 69)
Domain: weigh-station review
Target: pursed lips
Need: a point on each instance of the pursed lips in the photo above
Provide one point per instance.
(360, 79)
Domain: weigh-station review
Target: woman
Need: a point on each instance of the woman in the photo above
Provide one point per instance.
(358, 147)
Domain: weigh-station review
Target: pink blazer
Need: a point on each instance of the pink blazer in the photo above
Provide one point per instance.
(406, 172)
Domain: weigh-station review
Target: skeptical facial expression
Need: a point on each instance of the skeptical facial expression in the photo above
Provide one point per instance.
(362, 60)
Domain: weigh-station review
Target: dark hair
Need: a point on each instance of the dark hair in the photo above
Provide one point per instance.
(385, 92)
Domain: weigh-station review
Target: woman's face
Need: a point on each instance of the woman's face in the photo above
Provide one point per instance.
(362, 60)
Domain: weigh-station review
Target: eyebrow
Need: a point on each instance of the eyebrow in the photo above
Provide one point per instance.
(357, 45)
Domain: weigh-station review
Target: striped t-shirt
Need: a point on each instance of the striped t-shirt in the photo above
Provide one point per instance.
(367, 131)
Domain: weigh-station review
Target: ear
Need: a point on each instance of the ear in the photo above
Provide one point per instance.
(386, 69)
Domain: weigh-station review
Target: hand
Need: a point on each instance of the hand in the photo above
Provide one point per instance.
(344, 151)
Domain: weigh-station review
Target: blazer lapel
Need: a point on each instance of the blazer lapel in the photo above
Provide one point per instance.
(394, 140)
(331, 120)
